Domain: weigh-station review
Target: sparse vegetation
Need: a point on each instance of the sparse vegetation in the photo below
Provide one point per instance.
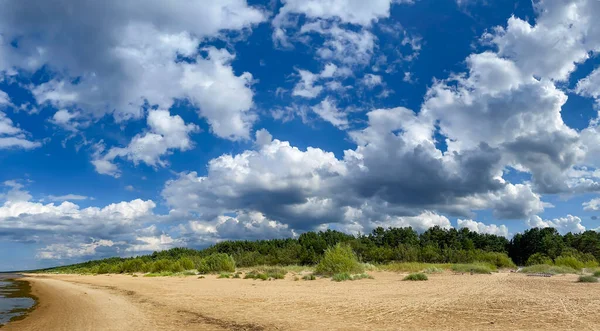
(416, 277)
(549, 269)
(309, 277)
(475, 268)
(587, 279)
(225, 275)
(433, 270)
(596, 273)
(344, 276)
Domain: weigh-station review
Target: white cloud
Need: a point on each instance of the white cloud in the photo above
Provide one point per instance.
(134, 60)
(166, 133)
(305, 87)
(566, 224)
(341, 45)
(66, 119)
(157, 243)
(564, 30)
(329, 112)
(499, 106)
(479, 227)
(69, 251)
(370, 80)
(349, 11)
(12, 136)
(592, 205)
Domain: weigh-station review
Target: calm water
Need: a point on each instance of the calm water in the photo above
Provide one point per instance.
(13, 299)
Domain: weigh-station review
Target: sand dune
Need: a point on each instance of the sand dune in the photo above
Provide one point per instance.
(446, 302)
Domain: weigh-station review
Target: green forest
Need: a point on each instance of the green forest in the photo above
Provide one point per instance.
(382, 246)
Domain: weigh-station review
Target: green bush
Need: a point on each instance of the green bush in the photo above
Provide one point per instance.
(569, 261)
(160, 266)
(343, 276)
(416, 277)
(224, 275)
(500, 260)
(339, 259)
(104, 268)
(186, 263)
(218, 262)
(538, 258)
(476, 268)
(548, 269)
(587, 279)
(597, 273)
(176, 267)
(309, 277)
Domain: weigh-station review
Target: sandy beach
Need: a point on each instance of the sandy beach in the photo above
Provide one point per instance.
(503, 301)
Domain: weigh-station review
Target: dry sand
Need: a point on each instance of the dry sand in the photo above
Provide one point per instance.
(504, 301)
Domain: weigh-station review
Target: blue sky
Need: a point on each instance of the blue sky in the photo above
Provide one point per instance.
(124, 131)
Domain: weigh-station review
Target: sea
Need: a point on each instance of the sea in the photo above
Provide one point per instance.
(14, 298)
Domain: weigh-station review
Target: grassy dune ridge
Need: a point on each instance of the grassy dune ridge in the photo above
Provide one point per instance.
(330, 253)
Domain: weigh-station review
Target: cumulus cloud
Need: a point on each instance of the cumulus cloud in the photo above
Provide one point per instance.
(135, 58)
(165, 133)
(566, 224)
(367, 188)
(480, 227)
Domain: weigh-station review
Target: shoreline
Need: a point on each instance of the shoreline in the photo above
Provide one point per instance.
(23, 289)
(445, 302)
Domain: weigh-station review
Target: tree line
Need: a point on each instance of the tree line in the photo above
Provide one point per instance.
(436, 245)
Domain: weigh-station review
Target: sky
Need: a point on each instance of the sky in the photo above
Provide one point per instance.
(128, 127)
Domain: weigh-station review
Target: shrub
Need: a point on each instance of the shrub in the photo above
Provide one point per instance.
(569, 261)
(176, 267)
(186, 263)
(548, 269)
(309, 277)
(587, 279)
(343, 276)
(133, 265)
(236, 275)
(476, 268)
(160, 266)
(224, 275)
(218, 262)
(597, 273)
(104, 268)
(500, 260)
(339, 259)
(538, 258)
(416, 277)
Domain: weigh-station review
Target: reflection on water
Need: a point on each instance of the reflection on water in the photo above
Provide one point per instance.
(14, 299)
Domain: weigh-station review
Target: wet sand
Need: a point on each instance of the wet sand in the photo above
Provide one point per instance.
(503, 301)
